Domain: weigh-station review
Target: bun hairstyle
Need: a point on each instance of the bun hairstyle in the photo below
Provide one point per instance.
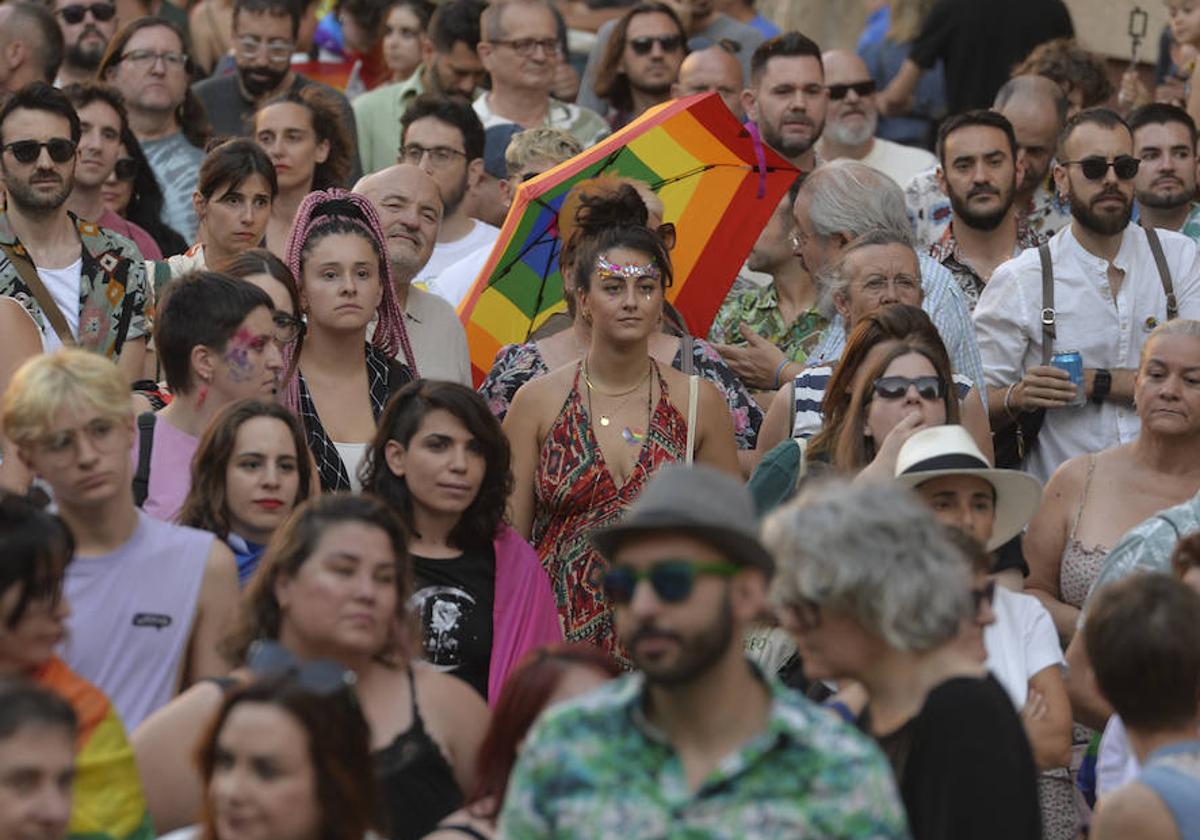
(603, 213)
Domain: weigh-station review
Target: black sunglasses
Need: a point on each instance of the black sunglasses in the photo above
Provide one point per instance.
(126, 169)
(984, 595)
(27, 151)
(861, 88)
(643, 45)
(100, 11)
(895, 387)
(319, 676)
(672, 579)
(1095, 167)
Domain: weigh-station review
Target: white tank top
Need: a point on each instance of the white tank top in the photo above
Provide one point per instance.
(132, 613)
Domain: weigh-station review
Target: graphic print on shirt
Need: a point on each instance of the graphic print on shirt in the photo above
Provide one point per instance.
(445, 613)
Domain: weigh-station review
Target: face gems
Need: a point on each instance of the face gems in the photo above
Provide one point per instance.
(607, 268)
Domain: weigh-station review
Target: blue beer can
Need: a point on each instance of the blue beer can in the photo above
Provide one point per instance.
(1072, 362)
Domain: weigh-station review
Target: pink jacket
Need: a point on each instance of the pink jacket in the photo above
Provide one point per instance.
(525, 615)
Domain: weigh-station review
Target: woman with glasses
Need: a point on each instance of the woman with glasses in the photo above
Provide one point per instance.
(587, 437)
(335, 584)
(873, 590)
(132, 192)
(250, 471)
(338, 382)
(517, 364)
(35, 548)
(234, 193)
(307, 139)
(261, 268)
(441, 461)
(216, 342)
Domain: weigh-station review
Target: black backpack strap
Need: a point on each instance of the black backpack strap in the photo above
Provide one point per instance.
(141, 476)
(1164, 273)
(1048, 314)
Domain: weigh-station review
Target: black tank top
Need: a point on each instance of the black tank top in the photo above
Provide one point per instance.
(416, 781)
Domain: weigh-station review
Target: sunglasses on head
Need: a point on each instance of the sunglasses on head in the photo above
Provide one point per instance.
(672, 580)
(895, 387)
(26, 151)
(1096, 167)
(318, 676)
(102, 12)
(860, 88)
(643, 45)
(126, 169)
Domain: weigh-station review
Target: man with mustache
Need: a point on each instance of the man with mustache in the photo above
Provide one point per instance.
(977, 152)
(853, 118)
(1108, 296)
(699, 742)
(787, 98)
(87, 26)
(81, 284)
(641, 61)
(409, 205)
(264, 38)
(1164, 139)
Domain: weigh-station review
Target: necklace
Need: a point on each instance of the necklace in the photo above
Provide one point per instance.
(630, 436)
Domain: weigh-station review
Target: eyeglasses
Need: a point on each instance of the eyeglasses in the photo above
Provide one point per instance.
(249, 46)
(75, 13)
(1095, 167)
(27, 151)
(672, 580)
(643, 46)
(440, 155)
(63, 446)
(861, 89)
(288, 327)
(148, 58)
(525, 47)
(984, 595)
(126, 169)
(895, 387)
(319, 676)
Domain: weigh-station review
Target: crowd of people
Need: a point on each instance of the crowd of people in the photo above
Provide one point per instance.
(903, 544)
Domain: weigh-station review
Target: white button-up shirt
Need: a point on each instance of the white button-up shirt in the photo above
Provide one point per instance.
(1108, 330)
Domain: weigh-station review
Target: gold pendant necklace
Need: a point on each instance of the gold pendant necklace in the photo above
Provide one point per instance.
(604, 419)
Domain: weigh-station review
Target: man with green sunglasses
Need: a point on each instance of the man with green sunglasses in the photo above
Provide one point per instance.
(700, 742)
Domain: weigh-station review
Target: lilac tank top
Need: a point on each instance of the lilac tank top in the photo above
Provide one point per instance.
(132, 613)
(170, 470)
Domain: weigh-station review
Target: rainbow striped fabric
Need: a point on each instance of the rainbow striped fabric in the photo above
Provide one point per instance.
(718, 183)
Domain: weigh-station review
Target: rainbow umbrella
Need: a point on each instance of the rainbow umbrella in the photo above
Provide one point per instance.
(718, 183)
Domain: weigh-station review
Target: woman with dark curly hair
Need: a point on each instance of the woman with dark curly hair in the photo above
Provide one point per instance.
(132, 192)
(305, 135)
(441, 461)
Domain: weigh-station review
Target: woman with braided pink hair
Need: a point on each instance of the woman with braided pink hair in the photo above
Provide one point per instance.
(342, 381)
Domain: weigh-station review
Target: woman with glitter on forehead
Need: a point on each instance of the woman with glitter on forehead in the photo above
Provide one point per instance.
(587, 437)
(342, 382)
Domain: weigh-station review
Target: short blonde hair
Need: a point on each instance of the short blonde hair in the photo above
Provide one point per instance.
(47, 383)
(540, 143)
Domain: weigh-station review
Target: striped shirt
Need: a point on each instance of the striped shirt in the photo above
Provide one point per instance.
(809, 392)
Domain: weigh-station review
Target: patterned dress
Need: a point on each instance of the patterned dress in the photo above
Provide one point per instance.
(575, 494)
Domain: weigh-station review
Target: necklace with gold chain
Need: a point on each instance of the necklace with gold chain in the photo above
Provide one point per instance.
(630, 436)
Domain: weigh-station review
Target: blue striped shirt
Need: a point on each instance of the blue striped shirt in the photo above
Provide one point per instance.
(810, 385)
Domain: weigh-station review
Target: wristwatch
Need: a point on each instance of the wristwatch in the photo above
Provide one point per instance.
(1101, 385)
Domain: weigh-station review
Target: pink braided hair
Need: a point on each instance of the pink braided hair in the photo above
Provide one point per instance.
(390, 331)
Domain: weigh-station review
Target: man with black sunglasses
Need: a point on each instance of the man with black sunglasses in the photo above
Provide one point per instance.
(1113, 283)
(87, 26)
(700, 742)
(852, 119)
(641, 61)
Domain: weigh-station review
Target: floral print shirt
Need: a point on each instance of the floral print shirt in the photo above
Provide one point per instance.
(114, 298)
(596, 767)
(945, 251)
(759, 310)
(516, 364)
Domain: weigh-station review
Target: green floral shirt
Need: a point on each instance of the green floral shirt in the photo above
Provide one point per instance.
(114, 299)
(1191, 226)
(596, 767)
(759, 309)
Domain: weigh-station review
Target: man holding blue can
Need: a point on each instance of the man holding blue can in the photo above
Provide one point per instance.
(1073, 353)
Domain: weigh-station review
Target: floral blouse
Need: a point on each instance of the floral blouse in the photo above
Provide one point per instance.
(516, 364)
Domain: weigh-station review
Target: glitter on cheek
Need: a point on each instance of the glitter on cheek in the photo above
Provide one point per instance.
(237, 356)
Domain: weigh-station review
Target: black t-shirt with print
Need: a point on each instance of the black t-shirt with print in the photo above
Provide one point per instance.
(454, 599)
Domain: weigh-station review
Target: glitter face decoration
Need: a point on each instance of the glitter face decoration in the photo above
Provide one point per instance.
(607, 268)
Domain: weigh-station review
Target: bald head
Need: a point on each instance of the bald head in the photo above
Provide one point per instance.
(409, 205)
(1037, 109)
(712, 69)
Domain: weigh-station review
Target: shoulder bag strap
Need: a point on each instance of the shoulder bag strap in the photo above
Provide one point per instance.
(28, 273)
(687, 357)
(693, 395)
(1164, 273)
(141, 477)
(1048, 314)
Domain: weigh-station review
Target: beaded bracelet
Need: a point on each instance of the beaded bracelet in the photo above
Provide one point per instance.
(779, 373)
